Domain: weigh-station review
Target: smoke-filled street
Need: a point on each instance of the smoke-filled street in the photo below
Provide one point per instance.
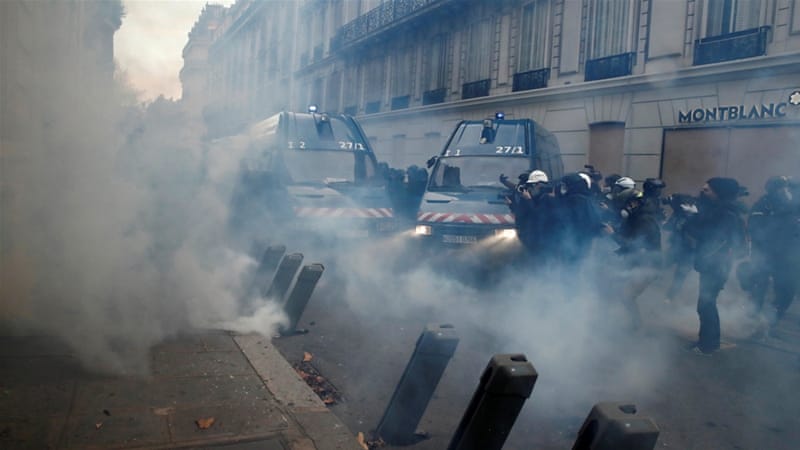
(324, 202)
(362, 330)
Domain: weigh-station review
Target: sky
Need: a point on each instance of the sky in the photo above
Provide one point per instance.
(148, 46)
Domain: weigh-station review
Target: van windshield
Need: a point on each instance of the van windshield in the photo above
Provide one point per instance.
(473, 138)
(326, 166)
(468, 172)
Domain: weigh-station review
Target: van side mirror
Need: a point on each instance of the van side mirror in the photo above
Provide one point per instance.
(431, 161)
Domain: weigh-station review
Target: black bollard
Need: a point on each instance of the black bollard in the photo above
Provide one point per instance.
(433, 351)
(613, 426)
(506, 383)
(287, 269)
(266, 266)
(301, 293)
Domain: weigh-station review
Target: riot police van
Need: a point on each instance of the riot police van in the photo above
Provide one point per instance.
(312, 172)
(464, 202)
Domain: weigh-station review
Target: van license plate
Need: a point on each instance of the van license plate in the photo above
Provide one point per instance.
(458, 239)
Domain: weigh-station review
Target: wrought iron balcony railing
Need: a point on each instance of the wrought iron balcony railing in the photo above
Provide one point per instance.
(372, 107)
(434, 96)
(401, 102)
(610, 66)
(533, 79)
(475, 89)
(380, 17)
(728, 47)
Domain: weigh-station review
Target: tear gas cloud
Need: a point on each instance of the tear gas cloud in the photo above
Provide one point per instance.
(113, 214)
(115, 236)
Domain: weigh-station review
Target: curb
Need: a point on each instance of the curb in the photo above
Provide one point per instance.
(323, 429)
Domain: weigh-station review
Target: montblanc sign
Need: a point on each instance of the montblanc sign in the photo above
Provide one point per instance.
(738, 112)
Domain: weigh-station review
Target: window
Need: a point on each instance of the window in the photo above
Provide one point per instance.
(611, 28)
(435, 63)
(316, 92)
(479, 51)
(402, 71)
(534, 34)
(728, 16)
(373, 90)
(334, 88)
(352, 82)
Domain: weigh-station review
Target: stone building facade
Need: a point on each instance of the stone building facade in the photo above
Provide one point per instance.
(678, 89)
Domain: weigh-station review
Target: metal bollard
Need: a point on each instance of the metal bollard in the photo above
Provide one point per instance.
(287, 269)
(613, 426)
(301, 293)
(506, 383)
(266, 266)
(433, 351)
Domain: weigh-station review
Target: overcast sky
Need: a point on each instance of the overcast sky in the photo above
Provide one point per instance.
(148, 45)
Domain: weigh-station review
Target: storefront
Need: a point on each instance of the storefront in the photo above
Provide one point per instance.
(748, 142)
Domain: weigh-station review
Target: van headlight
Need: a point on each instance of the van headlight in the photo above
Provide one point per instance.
(506, 233)
(423, 230)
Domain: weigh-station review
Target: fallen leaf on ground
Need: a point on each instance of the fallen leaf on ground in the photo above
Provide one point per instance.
(204, 424)
(361, 441)
(307, 356)
(98, 425)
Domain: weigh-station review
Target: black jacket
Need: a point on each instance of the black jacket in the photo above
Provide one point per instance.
(717, 235)
(639, 237)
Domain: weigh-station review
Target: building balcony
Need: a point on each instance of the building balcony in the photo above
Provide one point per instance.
(390, 15)
(401, 102)
(475, 89)
(732, 46)
(532, 79)
(372, 107)
(434, 96)
(610, 66)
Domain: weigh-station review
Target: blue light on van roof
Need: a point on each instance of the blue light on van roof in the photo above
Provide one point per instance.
(499, 115)
(312, 108)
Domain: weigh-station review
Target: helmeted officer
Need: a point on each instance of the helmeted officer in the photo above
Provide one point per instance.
(774, 225)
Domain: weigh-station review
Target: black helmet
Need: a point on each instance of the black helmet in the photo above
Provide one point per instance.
(776, 183)
(575, 183)
(653, 186)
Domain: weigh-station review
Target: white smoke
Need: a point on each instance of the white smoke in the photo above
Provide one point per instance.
(113, 220)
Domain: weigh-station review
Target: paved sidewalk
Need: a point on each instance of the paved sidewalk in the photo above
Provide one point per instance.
(253, 395)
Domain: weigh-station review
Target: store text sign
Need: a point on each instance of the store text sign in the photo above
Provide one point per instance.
(742, 112)
(737, 112)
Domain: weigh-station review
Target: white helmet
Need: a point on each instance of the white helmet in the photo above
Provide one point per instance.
(537, 176)
(587, 179)
(625, 183)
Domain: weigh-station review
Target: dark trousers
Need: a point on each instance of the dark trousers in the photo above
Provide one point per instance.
(711, 283)
(783, 273)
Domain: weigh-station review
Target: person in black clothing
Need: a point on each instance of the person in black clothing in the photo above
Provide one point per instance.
(577, 219)
(639, 239)
(651, 190)
(717, 236)
(533, 216)
(678, 251)
(774, 225)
